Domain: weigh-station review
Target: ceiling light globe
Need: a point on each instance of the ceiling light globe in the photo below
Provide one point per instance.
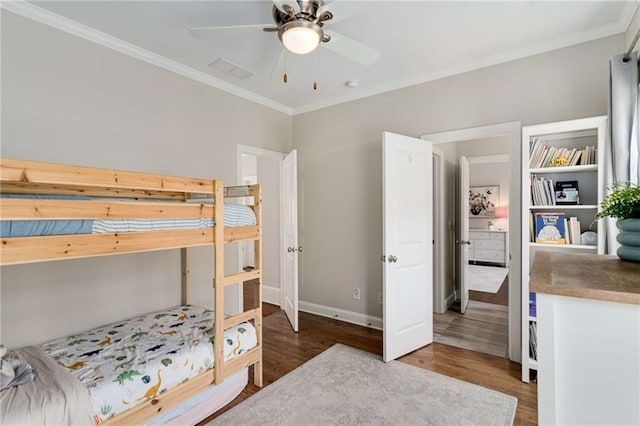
(300, 40)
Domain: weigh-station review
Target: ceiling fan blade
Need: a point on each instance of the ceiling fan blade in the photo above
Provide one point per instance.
(345, 9)
(351, 49)
(293, 3)
(207, 32)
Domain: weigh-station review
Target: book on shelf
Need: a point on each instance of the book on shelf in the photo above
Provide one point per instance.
(532, 305)
(550, 227)
(542, 155)
(532, 228)
(542, 191)
(574, 230)
(533, 341)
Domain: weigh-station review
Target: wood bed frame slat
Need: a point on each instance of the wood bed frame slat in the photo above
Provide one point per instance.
(218, 271)
(18, 250)
(242, 277)
(251, 357)
(57, 174)
(43, 209)
(242, 233)
(237, 319)
(256, 192)
(46, 189)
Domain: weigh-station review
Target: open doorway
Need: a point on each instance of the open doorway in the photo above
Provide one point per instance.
(478, 320)
(490, 321)
(277, 174)
(257, 166)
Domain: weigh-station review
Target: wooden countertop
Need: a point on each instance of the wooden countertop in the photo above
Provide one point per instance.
(588, 276)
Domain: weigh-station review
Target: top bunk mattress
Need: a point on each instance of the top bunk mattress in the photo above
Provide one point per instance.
(234, 215)
(127, 363)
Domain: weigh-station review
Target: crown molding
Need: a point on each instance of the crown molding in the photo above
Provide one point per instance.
(613, 28)
(46, 17)
(70, 26)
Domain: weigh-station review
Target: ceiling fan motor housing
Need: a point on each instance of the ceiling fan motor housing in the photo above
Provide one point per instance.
(307, 17)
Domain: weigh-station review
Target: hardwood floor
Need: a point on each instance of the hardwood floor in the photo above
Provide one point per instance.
(284, 351)
(484, 327)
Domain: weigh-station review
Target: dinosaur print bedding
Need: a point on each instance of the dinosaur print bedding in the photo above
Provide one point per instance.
(131, 361)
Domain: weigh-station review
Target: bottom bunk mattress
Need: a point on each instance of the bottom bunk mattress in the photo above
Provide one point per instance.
(129, 362)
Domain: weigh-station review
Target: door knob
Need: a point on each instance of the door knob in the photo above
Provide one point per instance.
(463, 242)
(392, 259)
(300, 249)
(290, 249)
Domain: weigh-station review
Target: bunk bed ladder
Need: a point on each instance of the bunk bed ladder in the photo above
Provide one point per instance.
(256, 191)
(218, 270)
(254, 356)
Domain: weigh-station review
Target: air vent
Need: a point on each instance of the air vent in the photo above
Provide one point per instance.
(230, 68)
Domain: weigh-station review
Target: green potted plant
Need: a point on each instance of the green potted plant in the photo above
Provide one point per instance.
(624, 204)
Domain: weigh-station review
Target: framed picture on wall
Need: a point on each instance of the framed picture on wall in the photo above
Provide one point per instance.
(483, 201)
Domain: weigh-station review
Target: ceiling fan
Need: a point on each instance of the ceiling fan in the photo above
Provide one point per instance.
(300, 28)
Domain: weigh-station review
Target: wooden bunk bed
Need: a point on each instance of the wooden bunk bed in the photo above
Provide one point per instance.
(112, 194)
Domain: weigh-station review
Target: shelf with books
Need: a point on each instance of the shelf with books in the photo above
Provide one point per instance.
(566, 207)
(562, 188)
(565, 169)
(564, 246)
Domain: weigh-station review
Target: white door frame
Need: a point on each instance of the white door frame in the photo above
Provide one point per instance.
(439, 232)
(513, 131)
(279, 156)
(462, 236)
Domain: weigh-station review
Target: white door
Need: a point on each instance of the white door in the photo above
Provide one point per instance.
(407, 245)
(463, 231)
(290, 231)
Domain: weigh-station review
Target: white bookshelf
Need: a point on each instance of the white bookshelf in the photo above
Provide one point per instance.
(566, 134)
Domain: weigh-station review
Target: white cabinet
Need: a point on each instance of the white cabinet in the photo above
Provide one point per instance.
(488, 246)
(542, 169)
(588, 338)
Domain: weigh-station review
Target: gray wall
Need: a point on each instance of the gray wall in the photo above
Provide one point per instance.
(340, 166)
(269, 178)
(67, 100)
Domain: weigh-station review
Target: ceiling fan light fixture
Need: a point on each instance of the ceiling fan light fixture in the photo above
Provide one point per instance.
(301, 37)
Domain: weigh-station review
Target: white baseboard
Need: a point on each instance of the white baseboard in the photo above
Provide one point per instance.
(450, 299)
(341, 315)
(271, 295)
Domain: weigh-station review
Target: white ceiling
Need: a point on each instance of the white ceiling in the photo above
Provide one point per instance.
(419, 40)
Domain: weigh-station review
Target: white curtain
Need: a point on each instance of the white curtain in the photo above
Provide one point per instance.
(623, 144)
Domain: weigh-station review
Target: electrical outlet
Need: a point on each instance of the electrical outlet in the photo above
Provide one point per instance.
(380, 298)
(356, 293)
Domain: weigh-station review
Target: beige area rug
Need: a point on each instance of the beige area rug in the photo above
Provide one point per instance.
(345, 386)
(486, 278)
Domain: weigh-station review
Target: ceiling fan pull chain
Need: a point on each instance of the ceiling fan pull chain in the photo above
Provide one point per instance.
(315, 66)
(285, 78)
